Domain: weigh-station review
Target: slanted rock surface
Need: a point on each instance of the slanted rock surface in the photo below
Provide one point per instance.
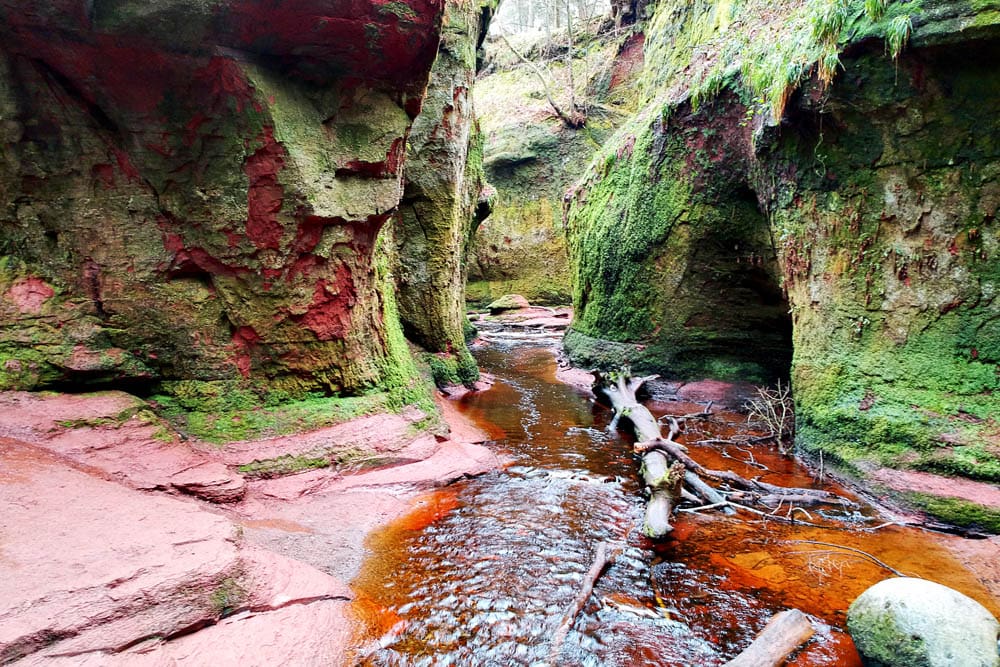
(99, 566)
(94, 567)
(117, 434)
(906, 622)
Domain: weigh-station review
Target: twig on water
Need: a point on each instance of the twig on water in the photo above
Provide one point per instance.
(605, 555)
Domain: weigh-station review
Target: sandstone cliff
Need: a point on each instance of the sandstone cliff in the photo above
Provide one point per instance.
(193, 190)
(814, 182)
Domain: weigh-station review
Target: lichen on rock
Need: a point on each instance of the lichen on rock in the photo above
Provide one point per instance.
(201, 185)
(818, 180)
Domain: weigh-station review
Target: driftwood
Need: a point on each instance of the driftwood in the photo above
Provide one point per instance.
(785, 632)
(605, 555)
(664, 460)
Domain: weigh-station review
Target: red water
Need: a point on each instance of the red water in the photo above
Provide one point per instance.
(482, 572)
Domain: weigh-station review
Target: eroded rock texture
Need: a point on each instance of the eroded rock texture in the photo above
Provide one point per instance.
(193, 189)
(442, 198)
(792, 156)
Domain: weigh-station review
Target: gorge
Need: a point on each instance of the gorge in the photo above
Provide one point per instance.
(239, 240)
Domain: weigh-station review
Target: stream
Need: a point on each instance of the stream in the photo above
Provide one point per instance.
(481, 572)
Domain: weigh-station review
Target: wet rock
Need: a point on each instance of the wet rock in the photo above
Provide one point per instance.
(508, 302)
(907, 622)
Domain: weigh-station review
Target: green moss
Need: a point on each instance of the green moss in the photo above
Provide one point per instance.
(452, 370)
(958, 512)
(804, 39)
(400, 10)
(878, 635)
(400, 377)
(228, 597)
(226, 411)
(283, 465)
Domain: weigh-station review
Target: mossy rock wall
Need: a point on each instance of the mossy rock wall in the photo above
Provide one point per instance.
(532, 158)
(193, 191)
(891, 252)
(864, 186)
(443, 196)
(671, 253)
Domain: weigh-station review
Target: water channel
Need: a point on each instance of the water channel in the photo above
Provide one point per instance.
(482, 571)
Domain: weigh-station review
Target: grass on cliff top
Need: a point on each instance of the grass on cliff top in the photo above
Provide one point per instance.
(763, 49)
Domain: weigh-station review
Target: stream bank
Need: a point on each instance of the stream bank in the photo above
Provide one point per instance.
(120, 545)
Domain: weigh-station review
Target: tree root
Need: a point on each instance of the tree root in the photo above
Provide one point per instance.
(865, 554)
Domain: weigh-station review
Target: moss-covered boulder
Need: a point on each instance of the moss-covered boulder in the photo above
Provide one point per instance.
(906, 622)
(816, 180)
(508, 302)
(193, 189)
(443, 194)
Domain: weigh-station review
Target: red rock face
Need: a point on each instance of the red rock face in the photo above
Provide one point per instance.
(29, 295)
(205, 184)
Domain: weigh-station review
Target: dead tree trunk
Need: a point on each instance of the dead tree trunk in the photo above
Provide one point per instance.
(662, 478)
(669, 473)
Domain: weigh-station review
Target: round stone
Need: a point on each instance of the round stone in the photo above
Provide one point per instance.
(908, 622)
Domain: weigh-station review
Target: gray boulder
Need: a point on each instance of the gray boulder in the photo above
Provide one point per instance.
(909, 622)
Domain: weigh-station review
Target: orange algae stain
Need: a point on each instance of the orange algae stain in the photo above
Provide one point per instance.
(376, 618)
(428, 509)
(376, 612)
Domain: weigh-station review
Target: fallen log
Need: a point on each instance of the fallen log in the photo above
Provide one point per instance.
(785, 632)
(665, 460)
(662, 479)
(677, 451)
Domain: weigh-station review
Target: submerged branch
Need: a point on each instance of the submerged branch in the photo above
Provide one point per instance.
(605, 555)
(785, 632)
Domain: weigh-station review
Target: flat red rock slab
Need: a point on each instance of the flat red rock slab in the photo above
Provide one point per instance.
(982, 493)
(88, 564)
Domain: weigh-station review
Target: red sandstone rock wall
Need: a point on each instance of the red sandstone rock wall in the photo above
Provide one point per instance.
(192, 189)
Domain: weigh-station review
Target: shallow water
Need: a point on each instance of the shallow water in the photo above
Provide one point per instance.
(482, 572)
